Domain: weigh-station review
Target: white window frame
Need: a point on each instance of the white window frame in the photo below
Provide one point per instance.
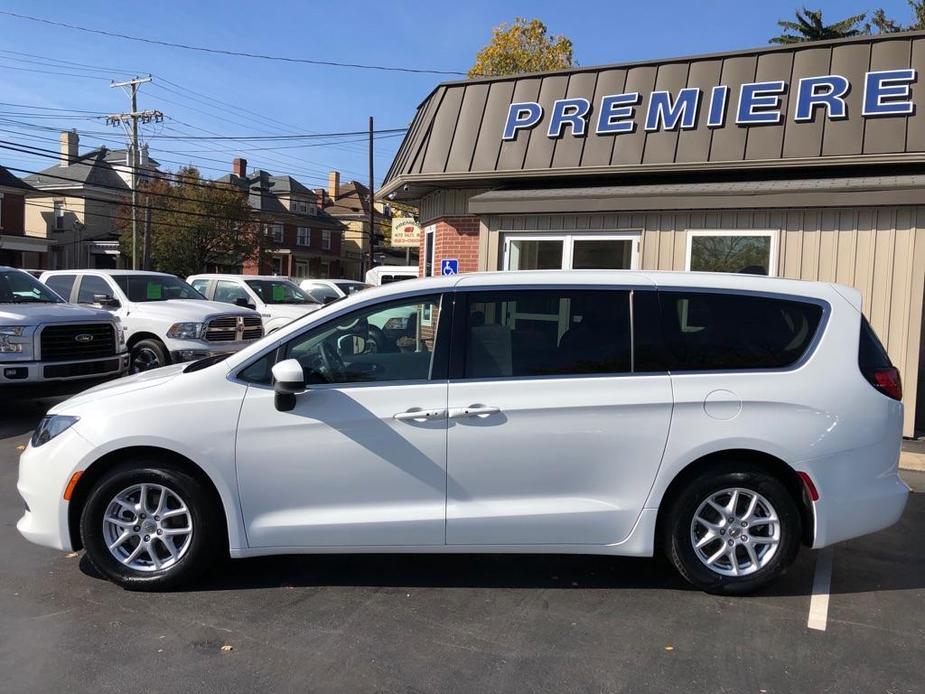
(773, 234)
(298, 236)
(568, 240)
(325, 240)
(431, 230)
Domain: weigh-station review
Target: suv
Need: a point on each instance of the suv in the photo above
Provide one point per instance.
(48, 343)
(165, 319)
(276, 299)
(720, 419)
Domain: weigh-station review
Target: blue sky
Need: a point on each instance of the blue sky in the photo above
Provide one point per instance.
(212, 94)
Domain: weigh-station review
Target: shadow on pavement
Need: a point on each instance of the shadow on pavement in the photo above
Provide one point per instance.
(885, 561)
(19, 416)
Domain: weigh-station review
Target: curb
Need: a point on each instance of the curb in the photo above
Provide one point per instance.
(912, 461)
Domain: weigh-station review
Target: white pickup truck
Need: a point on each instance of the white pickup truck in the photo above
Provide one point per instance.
(166, 321)
(276, 299)
(49, 345)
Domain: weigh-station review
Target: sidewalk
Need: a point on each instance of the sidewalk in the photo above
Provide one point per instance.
(913, 455)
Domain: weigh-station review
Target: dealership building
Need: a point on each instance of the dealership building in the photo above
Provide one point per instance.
(804, 161)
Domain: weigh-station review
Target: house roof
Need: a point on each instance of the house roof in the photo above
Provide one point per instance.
(92, 168)
(352, 200)
(263, 193)
(8, 180)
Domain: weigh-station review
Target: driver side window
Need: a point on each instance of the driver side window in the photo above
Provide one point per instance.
(389, 342)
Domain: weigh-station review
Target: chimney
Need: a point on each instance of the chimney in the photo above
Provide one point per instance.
(239, 167)
(69, 144)
(333, 184)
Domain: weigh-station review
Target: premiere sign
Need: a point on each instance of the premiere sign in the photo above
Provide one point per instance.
(885, 93)
(406, 233)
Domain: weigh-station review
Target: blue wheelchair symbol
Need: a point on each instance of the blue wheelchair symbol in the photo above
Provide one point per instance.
(449, 266)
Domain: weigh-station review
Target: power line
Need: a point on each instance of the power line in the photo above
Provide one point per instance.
(242, 54)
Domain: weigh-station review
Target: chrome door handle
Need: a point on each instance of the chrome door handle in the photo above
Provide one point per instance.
(472, 411)
(419, 415)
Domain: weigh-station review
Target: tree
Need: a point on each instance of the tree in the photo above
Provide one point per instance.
(810, 27)
(885, 25)
(196, 225)
(523, 46)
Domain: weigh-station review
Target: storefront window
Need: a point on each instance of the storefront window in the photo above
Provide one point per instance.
(753, 253)
(571, 251)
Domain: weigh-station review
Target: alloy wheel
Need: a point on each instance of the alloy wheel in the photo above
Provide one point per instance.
(144, 360)
(147, 527)
(735, 532)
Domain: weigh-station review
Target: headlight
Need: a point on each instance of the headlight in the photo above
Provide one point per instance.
(7, 344)
(185, 331)
(120, 331)
(51, 426)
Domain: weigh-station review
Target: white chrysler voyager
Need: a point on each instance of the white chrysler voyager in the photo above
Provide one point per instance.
(720, 419)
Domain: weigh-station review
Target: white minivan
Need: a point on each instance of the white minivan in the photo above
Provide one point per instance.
(723, 420)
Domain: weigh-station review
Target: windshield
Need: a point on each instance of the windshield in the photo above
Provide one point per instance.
(18, 287)
(155, 288)
(349, 288)
(279, 292)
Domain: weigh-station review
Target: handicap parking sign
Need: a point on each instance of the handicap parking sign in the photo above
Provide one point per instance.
(449, 266)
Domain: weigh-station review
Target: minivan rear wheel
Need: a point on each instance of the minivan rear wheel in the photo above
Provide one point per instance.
(733, 531)
(150, 526)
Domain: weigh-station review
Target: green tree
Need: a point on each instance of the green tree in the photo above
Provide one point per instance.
(810, 27)
(196, 225)
(885, 25)
(524, 46)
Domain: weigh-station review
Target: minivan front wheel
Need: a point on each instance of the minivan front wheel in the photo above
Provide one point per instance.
(734, 531)
(150, 526)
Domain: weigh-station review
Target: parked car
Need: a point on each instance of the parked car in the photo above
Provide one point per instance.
(327, 291)
(386, 274)
(277, 300)
(166, 321)
(49, 345)
(722, 419)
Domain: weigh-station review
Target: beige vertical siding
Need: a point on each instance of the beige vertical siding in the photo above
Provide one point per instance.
(880, 251)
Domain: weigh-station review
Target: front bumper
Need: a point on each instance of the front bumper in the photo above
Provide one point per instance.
(33, 373)
(191, 350)
(44, 473)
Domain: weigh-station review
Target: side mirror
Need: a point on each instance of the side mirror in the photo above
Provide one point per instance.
(289, 381)
(244, 303)
(106, 301)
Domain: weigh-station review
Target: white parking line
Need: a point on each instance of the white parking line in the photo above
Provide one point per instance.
(819, 603)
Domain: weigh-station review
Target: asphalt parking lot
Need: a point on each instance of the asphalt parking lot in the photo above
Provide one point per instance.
(460, 623)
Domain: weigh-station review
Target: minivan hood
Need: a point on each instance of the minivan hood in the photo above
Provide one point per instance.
(120, 386)
(33, 314)
(190, 310)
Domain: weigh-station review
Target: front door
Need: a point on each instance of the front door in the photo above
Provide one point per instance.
(361, 460)
(553, 438)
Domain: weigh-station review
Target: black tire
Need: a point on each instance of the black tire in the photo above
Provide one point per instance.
(144, 351)
(204, 546)
(678, 544)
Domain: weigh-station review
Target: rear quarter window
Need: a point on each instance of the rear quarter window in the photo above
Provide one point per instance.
(706, 331)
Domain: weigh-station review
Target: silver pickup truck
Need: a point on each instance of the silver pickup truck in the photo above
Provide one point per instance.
(47, 342)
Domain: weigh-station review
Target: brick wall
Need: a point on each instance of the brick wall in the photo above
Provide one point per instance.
(455, 237)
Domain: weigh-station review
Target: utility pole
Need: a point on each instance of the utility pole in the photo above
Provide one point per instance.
(130, 121)
(372, 199)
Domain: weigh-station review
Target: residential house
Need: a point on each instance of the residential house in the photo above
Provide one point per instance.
(78, 204)
(17, 249)
(349, 203)
(304, 240)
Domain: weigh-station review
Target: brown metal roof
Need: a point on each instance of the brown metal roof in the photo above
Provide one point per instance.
(456, 135)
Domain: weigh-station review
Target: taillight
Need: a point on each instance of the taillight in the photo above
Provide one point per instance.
(887, 381)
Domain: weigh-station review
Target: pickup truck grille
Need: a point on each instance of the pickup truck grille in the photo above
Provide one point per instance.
(234, 328)
(71, 342)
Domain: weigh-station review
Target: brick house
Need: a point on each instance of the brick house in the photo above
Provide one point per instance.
(16, 248)
(304, 240)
